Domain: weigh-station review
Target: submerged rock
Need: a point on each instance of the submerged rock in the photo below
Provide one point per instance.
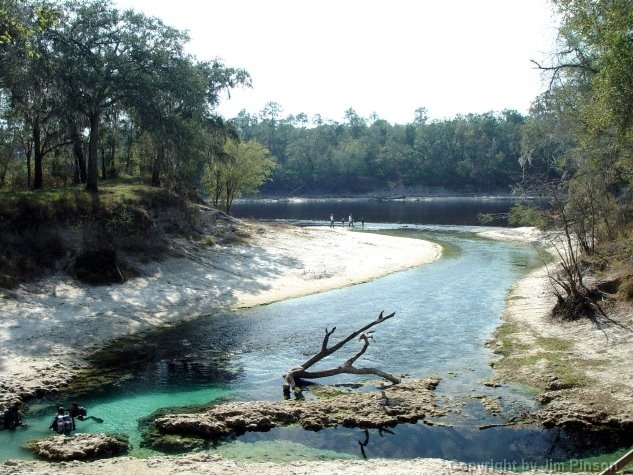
(79, 447)
(409, 401)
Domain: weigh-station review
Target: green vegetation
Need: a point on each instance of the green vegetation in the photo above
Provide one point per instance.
(466, 154)
(537, 362)
(241, 168)
(88, 93)
(626, 289)
(91, 94)
(507, 343)
(527, 215)
(577, 148)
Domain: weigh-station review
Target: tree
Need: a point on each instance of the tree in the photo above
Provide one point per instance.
(104, 57)
(21, 21)
(581, 127)
(591, 77)
(28, 78)
(176, 107)
(242, 168)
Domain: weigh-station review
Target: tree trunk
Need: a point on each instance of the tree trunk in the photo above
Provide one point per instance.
(156, 167)
(112, 172)
(28, 169)
(37, 148)
(93, 144)
(128, 157)
(80, 159)
(104, 165)
(229, 199)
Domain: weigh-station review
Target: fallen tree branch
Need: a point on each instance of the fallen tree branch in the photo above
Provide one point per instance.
(300, 372)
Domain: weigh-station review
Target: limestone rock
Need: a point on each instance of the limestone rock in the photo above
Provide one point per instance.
(79, 447)
(409, 401)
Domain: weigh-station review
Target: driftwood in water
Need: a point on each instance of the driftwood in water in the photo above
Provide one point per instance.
(301, 372)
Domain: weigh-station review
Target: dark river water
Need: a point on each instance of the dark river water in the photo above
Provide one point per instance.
(429, 211)
(445, 313)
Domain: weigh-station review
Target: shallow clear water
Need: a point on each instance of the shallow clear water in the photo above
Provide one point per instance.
(445, 312)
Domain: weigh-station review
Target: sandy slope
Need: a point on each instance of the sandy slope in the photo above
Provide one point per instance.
(583, 366)
(47, 328)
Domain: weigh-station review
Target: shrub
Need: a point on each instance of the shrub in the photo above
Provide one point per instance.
(626, 289)
(526, 215)
(98, 266)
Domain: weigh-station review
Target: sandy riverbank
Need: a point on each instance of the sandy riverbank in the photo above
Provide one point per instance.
(277, 262)
(47, 328)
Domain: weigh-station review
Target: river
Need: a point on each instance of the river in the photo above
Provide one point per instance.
(445, 312)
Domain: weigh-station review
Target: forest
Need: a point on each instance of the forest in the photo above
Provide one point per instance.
(89, 93)
(475, 153)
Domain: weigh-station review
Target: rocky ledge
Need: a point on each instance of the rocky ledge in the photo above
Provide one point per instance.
(79, 447)
(571, 411)
(409, 401)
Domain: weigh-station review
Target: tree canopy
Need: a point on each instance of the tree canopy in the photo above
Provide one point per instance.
(89, 92)
(83, 79)
(466, 154)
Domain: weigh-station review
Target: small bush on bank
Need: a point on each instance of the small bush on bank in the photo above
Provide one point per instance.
(625, 290)
(526, 215)
(98, 266)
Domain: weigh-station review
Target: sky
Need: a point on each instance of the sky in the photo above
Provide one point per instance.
(382, 57)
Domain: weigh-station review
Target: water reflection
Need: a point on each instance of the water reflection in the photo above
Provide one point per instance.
(533, 446)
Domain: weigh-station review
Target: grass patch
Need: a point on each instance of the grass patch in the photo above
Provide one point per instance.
(532, 364)
(569, 372)
(208, 241)
(506, 341)
(554, 344)
(625, 290)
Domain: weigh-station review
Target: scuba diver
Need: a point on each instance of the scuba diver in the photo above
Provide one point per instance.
(81, 413)
(62, 423)
(13, 416)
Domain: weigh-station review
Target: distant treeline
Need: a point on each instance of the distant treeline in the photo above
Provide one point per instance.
(469, 153)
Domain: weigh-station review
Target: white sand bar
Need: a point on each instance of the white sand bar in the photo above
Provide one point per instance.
(49, 327)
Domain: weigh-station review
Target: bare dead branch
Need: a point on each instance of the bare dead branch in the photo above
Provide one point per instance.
(349, 370)
(328, 351)
(562, 66)
(365, 337)
(300, 372)
(327, 337)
